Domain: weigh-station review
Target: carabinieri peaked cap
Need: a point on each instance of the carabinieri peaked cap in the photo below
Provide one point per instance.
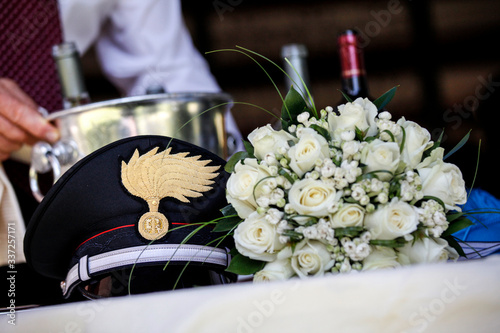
(133, 205)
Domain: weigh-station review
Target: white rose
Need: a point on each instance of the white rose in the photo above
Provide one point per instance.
(257, 239)
(444, 181)
(392, 220)
(310, 258)
(350, 215)
(381, 257)
(310, 148)
(241, 186)
(266, 140)
(275, 271)
(427, 250)
(312, 197)
(361, 114)
(417, 140)
(380, 155)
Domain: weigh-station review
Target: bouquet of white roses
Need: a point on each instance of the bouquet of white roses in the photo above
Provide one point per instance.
(340, 190)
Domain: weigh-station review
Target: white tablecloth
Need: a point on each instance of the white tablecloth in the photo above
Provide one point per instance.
(451, 297)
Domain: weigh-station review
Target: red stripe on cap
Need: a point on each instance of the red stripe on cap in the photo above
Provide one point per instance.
(120, 227)
(101, 233)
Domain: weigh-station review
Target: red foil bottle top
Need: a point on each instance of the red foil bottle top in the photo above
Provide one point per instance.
(350, 53)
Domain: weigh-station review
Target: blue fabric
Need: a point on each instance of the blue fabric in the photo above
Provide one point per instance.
(486, 227)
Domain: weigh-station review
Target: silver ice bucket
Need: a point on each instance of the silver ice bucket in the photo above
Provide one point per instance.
(197, 118)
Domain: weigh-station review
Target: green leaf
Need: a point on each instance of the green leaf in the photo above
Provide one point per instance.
(242, 265)
(457, 225)
(228, 210)
(398, 242)
(294, 235)
(284, 173)
(293, 105)
(233, 252)
(383, 100)
(393, 139)
(372, 174)
(454, 216)
(347, 98)
(348, 231)
(403, 140)
(241, 155)
(227, 223)
(311, 100)
(249, 148)
(452, 241)
(322, 131)
(436, 144)
(458, 146)
(360, 135)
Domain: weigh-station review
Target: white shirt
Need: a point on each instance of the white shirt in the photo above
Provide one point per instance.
(141, 43)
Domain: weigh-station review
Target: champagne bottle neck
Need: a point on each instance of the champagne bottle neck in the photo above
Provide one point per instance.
(296, 67)
(69, 68)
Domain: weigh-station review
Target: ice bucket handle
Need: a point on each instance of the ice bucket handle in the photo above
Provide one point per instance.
(45, 158)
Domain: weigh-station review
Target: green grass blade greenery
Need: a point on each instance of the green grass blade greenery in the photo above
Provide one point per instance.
(254, 60)
(458, 146)
(386, 97)
(293, 105)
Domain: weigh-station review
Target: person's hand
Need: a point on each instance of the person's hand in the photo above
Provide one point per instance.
(20, 121)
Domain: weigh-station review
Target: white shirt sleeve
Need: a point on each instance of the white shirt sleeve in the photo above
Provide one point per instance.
(141, 44)
(147, 44)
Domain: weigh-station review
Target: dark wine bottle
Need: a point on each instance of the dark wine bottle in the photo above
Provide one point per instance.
(352, 67)
(69, 68)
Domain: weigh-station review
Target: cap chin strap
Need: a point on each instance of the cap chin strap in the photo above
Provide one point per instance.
(149, 254)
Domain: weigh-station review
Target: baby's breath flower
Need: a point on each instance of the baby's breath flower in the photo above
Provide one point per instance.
(263, 201)
(270, 159)
(386, 115)
(303, 117)
(348, 135)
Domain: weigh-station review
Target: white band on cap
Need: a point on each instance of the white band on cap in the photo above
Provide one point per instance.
(88, 266)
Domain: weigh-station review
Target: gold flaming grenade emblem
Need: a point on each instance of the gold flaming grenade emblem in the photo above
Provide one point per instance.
(154, 176)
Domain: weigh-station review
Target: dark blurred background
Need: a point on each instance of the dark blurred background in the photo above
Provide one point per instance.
(443, 54)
